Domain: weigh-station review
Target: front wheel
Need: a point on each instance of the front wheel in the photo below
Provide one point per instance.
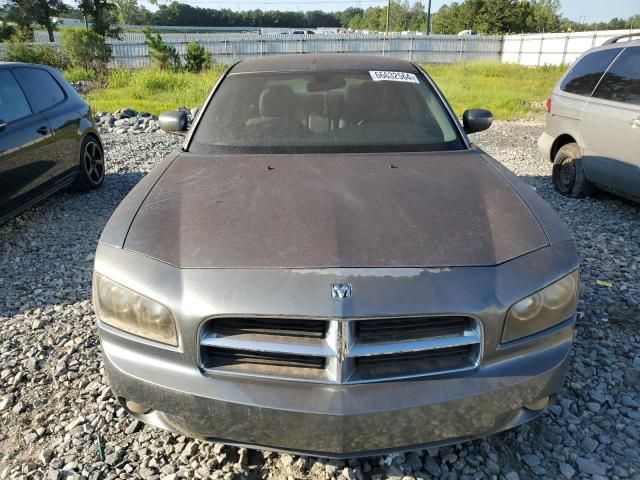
(568, 173)
(91, 168)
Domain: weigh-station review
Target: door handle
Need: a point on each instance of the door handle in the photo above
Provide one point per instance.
(635, 122)
(42, 130)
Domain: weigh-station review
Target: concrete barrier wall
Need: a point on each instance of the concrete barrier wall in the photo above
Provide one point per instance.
(553, 48)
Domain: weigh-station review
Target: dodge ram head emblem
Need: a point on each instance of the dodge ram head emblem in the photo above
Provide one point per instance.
(340, 291)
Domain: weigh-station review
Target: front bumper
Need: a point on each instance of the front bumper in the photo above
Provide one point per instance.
(341, 420)
(334, 419)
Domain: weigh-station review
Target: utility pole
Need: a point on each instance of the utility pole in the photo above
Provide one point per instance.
(429, 18)
(388, 11)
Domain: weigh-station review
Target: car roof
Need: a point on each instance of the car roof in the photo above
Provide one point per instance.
(620, 44)
(22, 64)
(324, 62)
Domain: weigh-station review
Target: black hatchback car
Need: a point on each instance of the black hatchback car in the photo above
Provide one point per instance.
(48, 138)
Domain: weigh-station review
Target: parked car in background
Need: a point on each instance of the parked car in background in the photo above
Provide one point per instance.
(48, 138)
(330, 266)
(592, 134)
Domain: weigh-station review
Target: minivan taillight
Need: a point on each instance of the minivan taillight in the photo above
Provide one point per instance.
(548, 105)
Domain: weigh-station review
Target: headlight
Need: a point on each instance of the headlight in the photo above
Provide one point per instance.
(546, 308)
(129, 311)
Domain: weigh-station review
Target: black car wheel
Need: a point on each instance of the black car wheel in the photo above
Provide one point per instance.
(568, 172)
(91, 174)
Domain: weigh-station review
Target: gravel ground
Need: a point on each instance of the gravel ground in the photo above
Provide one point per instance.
(57, 413)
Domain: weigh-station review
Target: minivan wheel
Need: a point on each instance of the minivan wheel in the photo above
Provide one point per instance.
(568, 172)
(91, 169)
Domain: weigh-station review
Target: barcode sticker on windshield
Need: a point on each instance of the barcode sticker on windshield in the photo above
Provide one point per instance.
(379, 76)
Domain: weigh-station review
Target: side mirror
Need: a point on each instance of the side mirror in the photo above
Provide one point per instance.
(174, 121)
(476, 120)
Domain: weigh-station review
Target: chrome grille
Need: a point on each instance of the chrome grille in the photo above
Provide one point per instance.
(341, 351)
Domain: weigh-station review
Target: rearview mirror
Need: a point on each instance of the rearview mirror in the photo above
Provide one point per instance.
(476, 120)
(325, 84)
(174, 121)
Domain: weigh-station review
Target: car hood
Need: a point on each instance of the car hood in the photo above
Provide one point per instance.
(343, 210)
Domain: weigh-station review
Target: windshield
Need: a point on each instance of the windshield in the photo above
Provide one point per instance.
(317, 112)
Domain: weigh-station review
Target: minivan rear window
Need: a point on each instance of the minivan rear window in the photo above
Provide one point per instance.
(584, 75)
(621, 83)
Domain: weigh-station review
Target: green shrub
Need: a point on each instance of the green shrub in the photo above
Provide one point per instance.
(164, 56)
(86, 49)
(197, 58)
(6, 32)
(45, 54)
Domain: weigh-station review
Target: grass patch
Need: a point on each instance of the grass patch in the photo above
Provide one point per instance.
(79, 74)
(153, 91)
(509, 91)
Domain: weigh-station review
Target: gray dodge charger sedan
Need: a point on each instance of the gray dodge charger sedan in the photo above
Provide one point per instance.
(329, 266)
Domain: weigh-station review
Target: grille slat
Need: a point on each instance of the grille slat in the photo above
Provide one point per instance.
(270, 326)
(224, 357)
(386, 330)
(413, 363)
(341, 351)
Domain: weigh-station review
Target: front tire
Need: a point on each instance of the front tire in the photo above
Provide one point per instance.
(568, 176)
(91, 169)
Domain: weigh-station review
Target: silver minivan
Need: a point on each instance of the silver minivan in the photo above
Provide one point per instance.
(592, 134)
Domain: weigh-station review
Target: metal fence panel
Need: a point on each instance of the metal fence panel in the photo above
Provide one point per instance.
(225, 47)
(131, 52)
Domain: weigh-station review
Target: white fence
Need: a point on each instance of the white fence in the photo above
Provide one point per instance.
(131, 51)
(553, 48)
(526, 49)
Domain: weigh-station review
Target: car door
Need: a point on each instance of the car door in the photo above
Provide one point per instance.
(574, 90)
(48, 98)
(610, 127)
(26, 153)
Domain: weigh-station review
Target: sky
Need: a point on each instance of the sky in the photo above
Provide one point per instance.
(582, 10)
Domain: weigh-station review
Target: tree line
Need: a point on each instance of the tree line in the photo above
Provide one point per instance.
(482, 16)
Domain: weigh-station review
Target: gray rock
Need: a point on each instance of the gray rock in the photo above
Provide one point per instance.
(127, 113)
(414, 462)
(590, 444)
(133, 427)
(430, 465)
(189, 451)
(566, 470)
(115, 457)
(6, 402)
(594, 406)
(348, 473)
(531, 460)
(45, 456)
(591, 467)
(53, 474)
